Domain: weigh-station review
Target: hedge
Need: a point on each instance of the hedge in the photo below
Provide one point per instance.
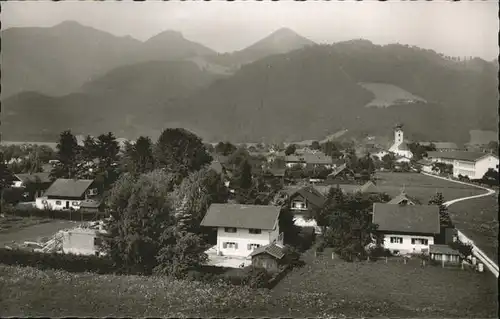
(67, 262)
(76, 215)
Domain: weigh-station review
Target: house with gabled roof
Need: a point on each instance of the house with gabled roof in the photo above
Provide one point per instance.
(268, 257)
(407, 229)
(471, 164)
(302, 202)
(243, 228)
(403, 199)
(66, 194)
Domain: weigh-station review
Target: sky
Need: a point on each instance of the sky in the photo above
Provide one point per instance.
(465, 28)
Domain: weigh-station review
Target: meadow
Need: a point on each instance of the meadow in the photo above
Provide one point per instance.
(323, 287)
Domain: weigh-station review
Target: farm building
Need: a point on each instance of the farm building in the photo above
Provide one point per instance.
(444, 253)
(471, 164)
(268, 257)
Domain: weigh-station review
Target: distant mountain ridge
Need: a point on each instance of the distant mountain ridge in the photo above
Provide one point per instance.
(57, 60)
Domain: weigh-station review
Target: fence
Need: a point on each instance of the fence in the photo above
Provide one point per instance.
(75, 215)
(479, 254)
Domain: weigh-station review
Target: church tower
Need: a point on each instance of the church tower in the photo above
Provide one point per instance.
(398, 134)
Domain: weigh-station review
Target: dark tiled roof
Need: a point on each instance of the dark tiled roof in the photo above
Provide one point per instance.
(442, 249)
(445, 145)
(311, 194)
(459, 155)
(68, 187)
(271, 249)
(241, 216)
(43, 177)
(408, 219)
(403, 147)
(278, 171)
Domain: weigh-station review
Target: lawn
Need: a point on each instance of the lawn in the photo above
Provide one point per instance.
(324, 287)
(10, 223)
(33, 232)
(388, 94)
(477, 218)
(394, 289)
(422, 187)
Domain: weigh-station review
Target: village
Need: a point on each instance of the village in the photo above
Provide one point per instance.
(319, 187)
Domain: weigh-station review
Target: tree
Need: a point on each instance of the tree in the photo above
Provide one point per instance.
(350, 229)
(388, 161)
(194, 196)
(331, 149)
(444, 216)
(67, 151)
(225, 148)
(138, 158)
(6, 176)
(315, 145)
(89, 149)
(290, 149)
(243, 176)
(493, 147)
(288, 228)
(141, 209)
(180, 152)
(107, 150)
(334, 199)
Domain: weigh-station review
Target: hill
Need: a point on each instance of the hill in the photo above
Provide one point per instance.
(58, 60)
(305, 94)
(280, 41)
(129, 100)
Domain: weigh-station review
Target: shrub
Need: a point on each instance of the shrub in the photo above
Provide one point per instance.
(257, 278)
(76, 215)
(378, 252)
(68, 262)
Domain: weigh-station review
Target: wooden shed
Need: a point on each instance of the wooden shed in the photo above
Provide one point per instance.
(444, 253)
(268, 257)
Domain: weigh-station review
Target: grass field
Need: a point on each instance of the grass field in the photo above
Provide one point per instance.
(10, 223)
(478, 219)
(422, 187)
(395, 289)
(34, 232)
(324, 287)
(388, 94)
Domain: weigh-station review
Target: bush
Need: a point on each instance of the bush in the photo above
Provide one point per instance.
(67, 262)
(378, 252)
(76, 215)
(257, 278)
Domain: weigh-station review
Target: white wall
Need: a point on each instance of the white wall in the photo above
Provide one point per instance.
(79, 242)
(427, 169)
(56, 204)
(242, 237)
(484, 164)
(406, 246)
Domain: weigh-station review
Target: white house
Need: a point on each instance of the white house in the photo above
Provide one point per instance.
(407, 229)
(65, 194)
(471, 164)
(400, 147)
(243, 228)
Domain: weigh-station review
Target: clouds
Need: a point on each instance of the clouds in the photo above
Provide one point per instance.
(453, 28)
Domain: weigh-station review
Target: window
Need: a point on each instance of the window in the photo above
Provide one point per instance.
(298, 205)
(75, 204)
(254, 231)
(419, 241)
(58, 202)
(396, 240)
(230, 230)
(252, 246)
(230, 245)
(97, 241)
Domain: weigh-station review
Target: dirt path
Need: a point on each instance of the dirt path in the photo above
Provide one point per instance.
(492, 265)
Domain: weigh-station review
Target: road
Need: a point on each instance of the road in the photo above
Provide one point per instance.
(490, 264)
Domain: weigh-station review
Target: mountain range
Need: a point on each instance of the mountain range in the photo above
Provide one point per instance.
(282, 88)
